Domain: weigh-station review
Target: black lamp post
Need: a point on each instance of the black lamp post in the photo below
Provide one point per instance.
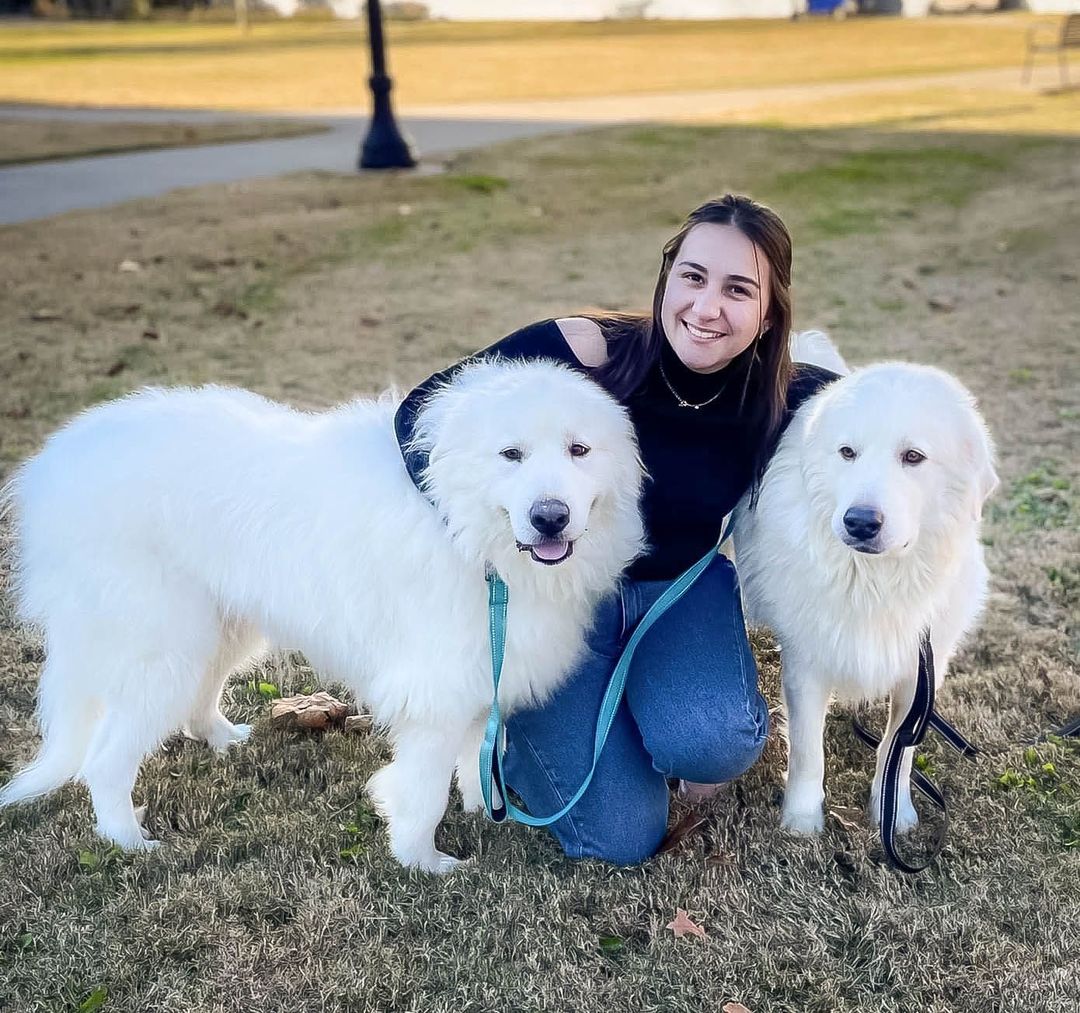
(384, 147)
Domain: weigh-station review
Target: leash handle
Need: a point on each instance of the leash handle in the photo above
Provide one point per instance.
(912, 730)
(491, 772)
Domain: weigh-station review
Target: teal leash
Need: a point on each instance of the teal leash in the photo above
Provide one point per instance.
(492, 784)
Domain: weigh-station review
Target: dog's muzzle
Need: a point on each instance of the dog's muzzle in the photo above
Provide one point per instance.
(862, 525)
(549, 518)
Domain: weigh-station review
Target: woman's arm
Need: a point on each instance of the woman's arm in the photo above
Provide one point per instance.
(573, 340)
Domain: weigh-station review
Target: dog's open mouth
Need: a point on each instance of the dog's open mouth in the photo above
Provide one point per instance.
(549, 551)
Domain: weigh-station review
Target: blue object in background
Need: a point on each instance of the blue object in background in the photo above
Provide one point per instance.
(824, 6)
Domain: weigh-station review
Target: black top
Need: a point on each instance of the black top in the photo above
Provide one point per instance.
(699, 461)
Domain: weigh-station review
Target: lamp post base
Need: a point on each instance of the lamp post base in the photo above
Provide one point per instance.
(385, 147)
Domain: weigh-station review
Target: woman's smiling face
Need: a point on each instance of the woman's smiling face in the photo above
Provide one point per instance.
(716, 300)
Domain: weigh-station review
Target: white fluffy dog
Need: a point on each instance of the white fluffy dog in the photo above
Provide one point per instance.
(866, 532)
(167, 538)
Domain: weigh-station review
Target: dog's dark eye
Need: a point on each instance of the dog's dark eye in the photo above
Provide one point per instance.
(578, 450)
(512, 453)
(913, 457)
(847, 453)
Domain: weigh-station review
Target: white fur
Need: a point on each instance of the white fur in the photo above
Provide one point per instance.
(168, 538)
(849, 622)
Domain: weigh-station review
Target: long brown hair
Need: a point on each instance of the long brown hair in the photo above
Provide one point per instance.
(634, 340)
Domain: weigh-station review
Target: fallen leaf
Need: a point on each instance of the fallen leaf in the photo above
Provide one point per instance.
(151, 334)
(941, 304)
(314, 712)
(95, 1000)
(684, 926)
(359, 723)
(45, 314)
(734, 1007)
(849, 817)
(129, 266)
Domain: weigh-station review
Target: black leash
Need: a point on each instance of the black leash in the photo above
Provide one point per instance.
(1070, 729)
(911, 732)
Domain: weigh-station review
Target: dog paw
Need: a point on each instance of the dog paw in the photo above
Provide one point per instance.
(135, 839)
(436, 862)
(808, 821)
(240, 733)
(446, 863)
(907, 818)
(225, 735)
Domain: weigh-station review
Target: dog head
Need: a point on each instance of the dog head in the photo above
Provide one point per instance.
(535, 469)
(894, 453)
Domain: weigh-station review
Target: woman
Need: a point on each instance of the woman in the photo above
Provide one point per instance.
(709, 383)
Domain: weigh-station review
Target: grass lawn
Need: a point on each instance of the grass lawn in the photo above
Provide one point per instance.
(274, 888)
(29, 140)
(298, 65)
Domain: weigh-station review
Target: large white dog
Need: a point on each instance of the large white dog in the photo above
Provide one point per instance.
(866, 532)
(167, 538)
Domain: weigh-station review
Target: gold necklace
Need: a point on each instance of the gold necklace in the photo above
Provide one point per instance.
(681, 401)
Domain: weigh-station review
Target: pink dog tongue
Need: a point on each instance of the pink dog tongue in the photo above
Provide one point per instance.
(550, 549)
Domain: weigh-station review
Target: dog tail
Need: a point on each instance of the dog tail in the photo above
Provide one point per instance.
(11, 494)
(817, 348)
(67, 719)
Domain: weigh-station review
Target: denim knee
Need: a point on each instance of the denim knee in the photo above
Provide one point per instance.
(714, 754)
(614, 840)
(720, 748)
(693, 686)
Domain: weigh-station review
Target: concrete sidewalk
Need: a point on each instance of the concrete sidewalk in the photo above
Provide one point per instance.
(47, 188)
(41, 189)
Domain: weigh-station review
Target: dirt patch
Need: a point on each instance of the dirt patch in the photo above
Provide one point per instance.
(26, 140)
(274, 886)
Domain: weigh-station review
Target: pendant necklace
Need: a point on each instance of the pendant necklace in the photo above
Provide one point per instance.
(680, 400)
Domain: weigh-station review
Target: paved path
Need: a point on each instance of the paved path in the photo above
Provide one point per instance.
(47, 188)
(41, 189)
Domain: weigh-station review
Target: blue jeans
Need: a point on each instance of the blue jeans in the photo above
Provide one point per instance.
(692, 710)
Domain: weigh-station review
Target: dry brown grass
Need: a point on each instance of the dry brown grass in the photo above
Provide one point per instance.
(305, 65)
(953, 249)
(27, 140)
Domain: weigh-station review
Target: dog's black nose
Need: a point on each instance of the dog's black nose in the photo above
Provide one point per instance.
(863, 522)
(549, 516)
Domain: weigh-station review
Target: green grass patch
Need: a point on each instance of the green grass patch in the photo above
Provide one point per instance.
(861, 192)
(1047, 782)
(1042, 498)
(479, 182)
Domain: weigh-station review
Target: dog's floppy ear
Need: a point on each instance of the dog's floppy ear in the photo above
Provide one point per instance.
(980, 448)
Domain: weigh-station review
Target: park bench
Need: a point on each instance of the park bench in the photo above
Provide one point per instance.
(1069, 38)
